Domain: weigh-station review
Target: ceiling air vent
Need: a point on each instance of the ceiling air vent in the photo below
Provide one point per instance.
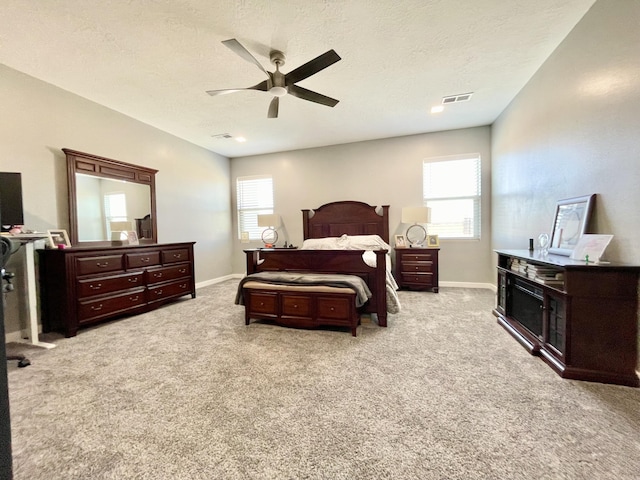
(462, 97)
(222, 135)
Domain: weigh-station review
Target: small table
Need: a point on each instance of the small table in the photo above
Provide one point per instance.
(417, 268)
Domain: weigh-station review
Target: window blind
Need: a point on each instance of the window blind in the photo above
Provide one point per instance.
(254, 197)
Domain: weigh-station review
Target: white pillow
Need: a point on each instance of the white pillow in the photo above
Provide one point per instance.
(328, 243)
(364, 242)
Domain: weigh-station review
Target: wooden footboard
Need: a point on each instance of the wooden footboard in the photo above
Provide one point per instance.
(346, 262)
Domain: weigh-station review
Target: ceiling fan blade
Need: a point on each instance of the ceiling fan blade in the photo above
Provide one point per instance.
(273, 108)
(263, 86)
(305, 94)
(313, 66)
(237, 47)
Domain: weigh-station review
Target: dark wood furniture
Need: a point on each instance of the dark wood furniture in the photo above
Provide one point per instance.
(580, 318)
(417, 268)
(84, 285)
(301, 306)
(333, 220)
(80, 163)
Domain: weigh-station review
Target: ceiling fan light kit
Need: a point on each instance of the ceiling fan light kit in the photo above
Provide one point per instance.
(280, 84)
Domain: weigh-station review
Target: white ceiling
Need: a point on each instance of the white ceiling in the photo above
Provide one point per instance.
(154, 59)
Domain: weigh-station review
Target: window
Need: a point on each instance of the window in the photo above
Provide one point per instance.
(115, 209)
(451, 188)
(255, 197)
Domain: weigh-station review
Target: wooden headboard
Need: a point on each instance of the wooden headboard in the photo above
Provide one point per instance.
(350, 217)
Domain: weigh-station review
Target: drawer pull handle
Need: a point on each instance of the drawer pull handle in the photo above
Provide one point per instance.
(183, 270)
(417, 268)
(97, 286)
(177, 255)
(145, 259)
(157, 275)
(134, 299)
(96, 308)
(183, 286)
(133, 280)
(102, 265)
(332, 309)
(158, 292)
(262, 304)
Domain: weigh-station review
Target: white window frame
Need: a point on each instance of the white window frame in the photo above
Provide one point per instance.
(254, 196)
(440, 199)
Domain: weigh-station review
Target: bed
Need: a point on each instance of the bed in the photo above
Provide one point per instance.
(346, 238)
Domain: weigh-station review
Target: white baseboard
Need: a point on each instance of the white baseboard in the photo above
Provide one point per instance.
(468, 285)
(213, 281)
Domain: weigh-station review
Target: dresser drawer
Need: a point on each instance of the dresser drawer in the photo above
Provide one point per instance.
(101, 264)
(296, 305)
(335, 308)
(102, 285)
(165, 274)
(175, 256)
(94, 309)
(168, 290)
(141, 260)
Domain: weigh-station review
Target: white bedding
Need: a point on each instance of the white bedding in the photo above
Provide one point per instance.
(367, 243)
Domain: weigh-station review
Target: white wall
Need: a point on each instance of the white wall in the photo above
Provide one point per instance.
(192, 184)
(379, 172)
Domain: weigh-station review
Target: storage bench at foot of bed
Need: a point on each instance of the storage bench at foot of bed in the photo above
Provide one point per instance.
(301, 306)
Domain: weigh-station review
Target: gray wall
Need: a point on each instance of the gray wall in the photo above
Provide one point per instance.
(192, 183)
(379, 172)
(573, 130)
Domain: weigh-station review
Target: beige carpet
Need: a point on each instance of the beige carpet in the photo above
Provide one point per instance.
(190, 392)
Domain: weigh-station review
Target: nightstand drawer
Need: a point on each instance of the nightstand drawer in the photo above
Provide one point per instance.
(417, 278)
(417, 267)
(416, 257)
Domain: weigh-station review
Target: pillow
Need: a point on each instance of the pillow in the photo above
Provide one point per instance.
(363, 242)
(329, 243)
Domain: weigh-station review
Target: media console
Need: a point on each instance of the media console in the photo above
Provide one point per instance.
(580, 318)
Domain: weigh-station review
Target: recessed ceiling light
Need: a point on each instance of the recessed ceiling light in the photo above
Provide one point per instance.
(437, 109)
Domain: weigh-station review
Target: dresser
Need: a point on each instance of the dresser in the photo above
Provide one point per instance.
(81, 286)
(417, 268)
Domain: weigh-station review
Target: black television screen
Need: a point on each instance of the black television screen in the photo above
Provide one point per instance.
(10, 200)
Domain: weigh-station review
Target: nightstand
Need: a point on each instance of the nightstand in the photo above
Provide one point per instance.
(417, 268)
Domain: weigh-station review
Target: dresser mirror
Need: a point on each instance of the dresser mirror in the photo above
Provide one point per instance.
(104, 193)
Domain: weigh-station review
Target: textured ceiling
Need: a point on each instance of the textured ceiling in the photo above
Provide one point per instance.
(154, 59)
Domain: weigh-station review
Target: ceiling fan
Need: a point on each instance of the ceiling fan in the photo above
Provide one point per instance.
(279, 84)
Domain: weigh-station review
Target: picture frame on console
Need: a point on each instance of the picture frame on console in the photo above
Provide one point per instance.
(570, 222)
(433, 241)
(58, 239)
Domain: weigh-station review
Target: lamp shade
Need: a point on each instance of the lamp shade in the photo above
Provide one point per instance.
(416, 215)
(120, 226)
(269, 220)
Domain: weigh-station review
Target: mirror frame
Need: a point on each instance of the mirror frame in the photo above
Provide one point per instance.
(94, 165)
(579, 208)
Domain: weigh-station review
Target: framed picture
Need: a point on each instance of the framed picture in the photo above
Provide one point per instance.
(433, 241)
(400, 241)
(132, 237)
(57, 238)
(571, 221)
